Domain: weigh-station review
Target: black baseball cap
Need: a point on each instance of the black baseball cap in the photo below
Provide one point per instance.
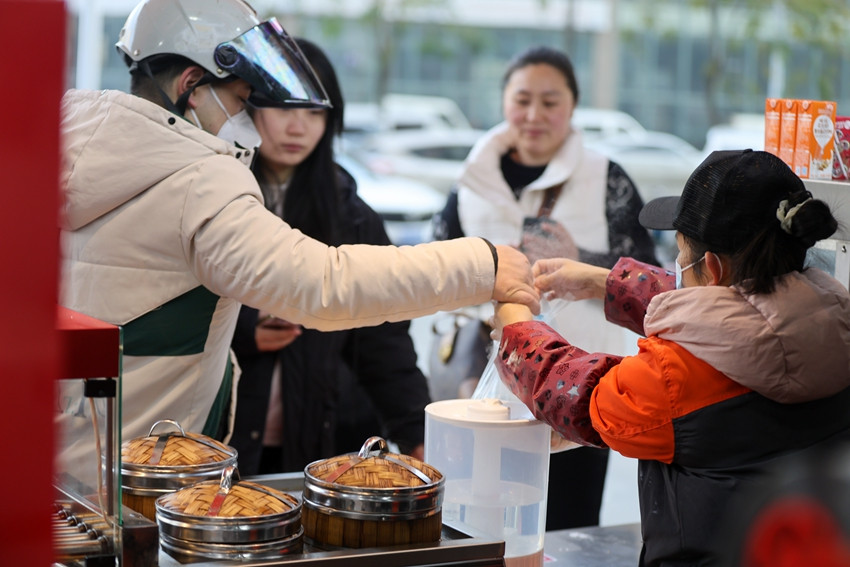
(730, 196)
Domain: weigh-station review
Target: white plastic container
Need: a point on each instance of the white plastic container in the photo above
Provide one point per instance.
(495, 458)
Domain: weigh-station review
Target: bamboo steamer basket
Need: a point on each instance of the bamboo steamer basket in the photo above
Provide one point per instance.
(371, 499)
(159, 464)
(229, 519)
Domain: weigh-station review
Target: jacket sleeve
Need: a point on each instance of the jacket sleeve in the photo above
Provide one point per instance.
(629, 288)
(553, 378)
(240, 250)
(592, 398)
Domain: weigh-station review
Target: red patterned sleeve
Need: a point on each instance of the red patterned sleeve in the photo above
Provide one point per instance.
(629, 288)
(553, 378)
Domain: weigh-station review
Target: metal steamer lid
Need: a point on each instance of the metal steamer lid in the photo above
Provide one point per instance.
(159, 464)
(228, 511)
(229, 520)
(374, 484)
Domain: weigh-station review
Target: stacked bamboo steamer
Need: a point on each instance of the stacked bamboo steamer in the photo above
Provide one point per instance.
(230, 520)
(371, 499)
(160, 464)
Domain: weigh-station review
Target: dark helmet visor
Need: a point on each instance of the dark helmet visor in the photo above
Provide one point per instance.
(269, 60)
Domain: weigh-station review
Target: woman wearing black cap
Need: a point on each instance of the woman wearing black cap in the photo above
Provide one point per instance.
(746, 358)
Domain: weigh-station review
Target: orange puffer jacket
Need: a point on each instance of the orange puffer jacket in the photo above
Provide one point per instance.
(702, 438)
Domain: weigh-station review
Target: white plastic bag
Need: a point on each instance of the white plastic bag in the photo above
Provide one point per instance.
(490, 385)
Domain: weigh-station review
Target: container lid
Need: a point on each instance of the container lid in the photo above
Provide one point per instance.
(227, 499)
(484, 412)
(374, 467)
(374, 484)
(157, 464)
(174, 449)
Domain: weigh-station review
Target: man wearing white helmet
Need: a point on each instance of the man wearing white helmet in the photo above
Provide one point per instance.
(165, 232)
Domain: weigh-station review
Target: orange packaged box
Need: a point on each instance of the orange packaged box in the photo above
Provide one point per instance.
(772, 113)
(814, 142)
(787, 130)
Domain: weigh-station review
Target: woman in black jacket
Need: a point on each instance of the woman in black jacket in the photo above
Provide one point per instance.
(296, 382)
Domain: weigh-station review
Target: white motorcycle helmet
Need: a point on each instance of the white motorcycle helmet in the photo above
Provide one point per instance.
(226, 38)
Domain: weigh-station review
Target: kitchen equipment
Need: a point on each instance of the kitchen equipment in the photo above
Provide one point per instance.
(159, 464)
(495, 458)
(371, 498)
(229, 519)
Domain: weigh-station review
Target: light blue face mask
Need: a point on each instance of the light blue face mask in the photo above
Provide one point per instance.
(680, 270)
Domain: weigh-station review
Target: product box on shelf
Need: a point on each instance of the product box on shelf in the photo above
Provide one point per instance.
(814, 139)
(772, 114)
(788, 130)
(841, 159)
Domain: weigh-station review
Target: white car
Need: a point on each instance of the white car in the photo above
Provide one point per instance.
(430, 156)
(659, 163)
(406, 206)
(730, 137)
(405, 112)
(596, 123)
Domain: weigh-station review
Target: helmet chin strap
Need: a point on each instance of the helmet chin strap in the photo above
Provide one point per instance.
(179, 106)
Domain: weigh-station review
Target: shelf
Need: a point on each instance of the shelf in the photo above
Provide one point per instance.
(836, 194)
(90, 347)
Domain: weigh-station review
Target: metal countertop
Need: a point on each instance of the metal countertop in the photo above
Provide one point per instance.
(608, 546)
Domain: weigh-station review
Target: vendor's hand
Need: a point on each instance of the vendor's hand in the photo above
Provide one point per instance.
(273, 333)
(568, 279)
(514, 282)
(548, 239)
(506, 314)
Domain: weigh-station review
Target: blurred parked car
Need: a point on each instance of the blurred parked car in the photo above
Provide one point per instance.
(596, 123)
(432, 156)
(403, 112)
(405, 205)
(736, 135)
(659, 163)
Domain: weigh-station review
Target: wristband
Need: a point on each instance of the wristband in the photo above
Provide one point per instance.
(495, 255)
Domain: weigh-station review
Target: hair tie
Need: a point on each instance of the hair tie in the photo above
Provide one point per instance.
(786, 215)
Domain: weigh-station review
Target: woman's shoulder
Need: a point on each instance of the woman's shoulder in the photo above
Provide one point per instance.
(360, 217)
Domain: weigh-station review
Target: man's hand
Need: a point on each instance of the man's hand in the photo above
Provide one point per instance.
(274, 334)
(514, 282)
(569, 279)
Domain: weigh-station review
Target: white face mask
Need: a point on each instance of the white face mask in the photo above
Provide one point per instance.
(238, 129)
(680, 270)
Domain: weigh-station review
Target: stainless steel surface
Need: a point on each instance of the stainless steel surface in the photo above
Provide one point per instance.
(193, 552)
(609, 546)
(454, 548)
(79, 532)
